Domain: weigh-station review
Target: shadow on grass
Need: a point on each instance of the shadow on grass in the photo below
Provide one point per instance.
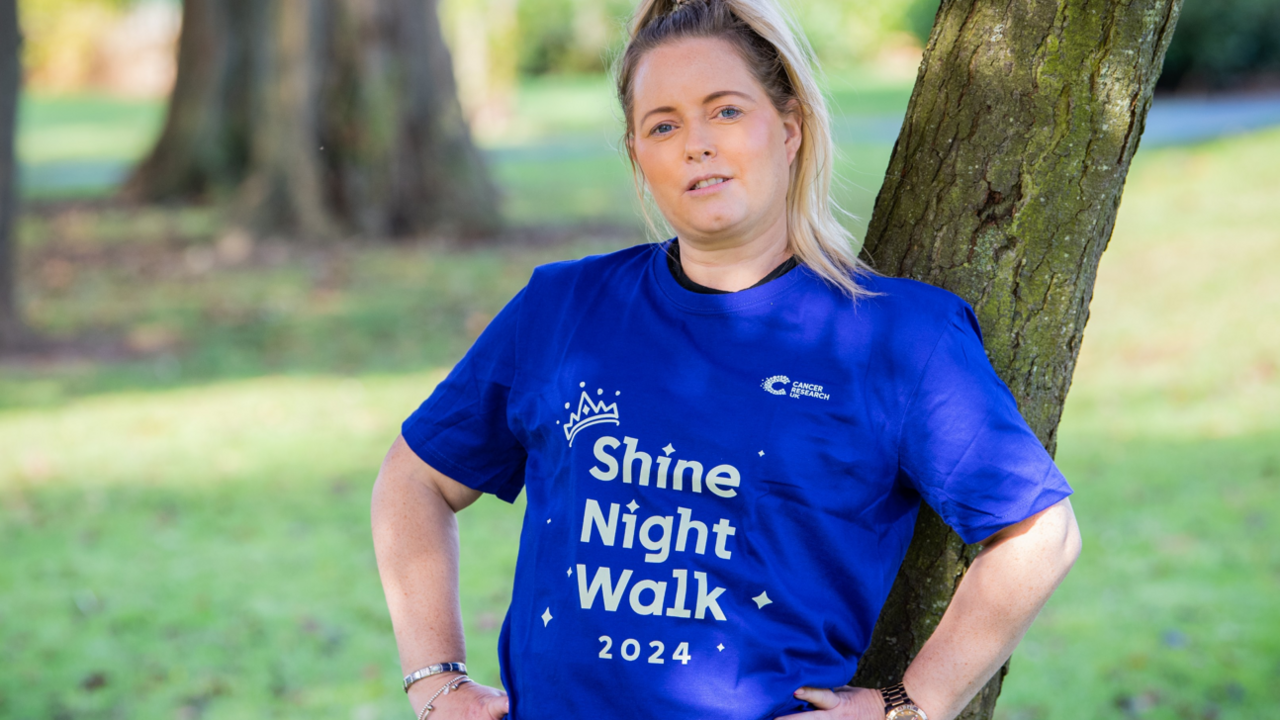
(137, 302)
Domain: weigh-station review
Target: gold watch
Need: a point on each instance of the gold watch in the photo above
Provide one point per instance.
(897, 706)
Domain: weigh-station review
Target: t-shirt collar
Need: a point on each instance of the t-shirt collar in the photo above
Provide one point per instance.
(703, 303)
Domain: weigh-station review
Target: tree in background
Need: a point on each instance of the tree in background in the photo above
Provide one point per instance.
(568, 36)
(1220, 44)
(1003, 188)
(579, 36)
(327, 118)
(1225, 43)
(10, 79)
(204, 146)
(104, 45)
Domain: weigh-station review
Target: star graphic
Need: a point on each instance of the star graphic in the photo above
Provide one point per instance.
(762, 599)
(548, 521)
(546, 617)
(568, 573)
(720, 647)
(668, 449)
(632, 506)
(761, 453)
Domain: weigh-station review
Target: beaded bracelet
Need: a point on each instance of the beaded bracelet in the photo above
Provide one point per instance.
(448, 688)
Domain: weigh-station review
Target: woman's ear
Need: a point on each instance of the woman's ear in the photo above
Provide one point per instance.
(793, 128)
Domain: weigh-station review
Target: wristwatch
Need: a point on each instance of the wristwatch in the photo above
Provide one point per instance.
(897, 706)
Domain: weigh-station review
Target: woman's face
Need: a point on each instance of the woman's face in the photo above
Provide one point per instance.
(699, 114)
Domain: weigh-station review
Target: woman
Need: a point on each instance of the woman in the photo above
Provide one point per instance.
(724, 439)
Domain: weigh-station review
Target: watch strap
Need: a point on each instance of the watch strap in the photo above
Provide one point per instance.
(895, 696)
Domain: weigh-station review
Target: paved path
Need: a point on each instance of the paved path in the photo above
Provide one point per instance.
(1178, 120)
(1172, 121)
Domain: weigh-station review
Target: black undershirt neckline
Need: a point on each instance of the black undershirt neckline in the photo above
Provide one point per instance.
(677, 271)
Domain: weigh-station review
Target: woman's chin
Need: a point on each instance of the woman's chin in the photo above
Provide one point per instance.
(714, 226)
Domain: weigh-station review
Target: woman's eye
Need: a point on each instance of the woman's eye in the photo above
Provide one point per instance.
(660, 129)
(734, 112)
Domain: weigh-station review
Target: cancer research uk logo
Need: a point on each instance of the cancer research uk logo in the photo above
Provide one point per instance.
(590, 412)
(778, 385)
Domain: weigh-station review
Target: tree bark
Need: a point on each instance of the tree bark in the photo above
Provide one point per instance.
(204, 146)
(11, 328)
(1003, 188)
(361, 129)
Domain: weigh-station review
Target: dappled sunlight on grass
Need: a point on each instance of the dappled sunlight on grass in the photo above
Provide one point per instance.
(1183, 337)
(190, 438)
(211, 545)
(85, 127)
(188, 314)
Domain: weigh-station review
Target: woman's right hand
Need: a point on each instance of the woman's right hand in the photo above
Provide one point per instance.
(470, 701)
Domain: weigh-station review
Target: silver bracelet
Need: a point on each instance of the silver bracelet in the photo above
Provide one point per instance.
(448, 688)
(430, 670)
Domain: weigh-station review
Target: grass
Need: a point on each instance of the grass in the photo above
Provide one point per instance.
(209, 555)
(81, 146)
(185, 533)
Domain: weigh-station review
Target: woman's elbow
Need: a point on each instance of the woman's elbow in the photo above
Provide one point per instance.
(1071, 543)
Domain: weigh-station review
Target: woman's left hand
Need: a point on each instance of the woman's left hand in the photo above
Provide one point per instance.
(843, 703)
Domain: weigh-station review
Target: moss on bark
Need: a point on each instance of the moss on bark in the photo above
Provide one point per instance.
(1003, 188)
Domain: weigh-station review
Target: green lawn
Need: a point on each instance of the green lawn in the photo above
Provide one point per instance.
(186, 535)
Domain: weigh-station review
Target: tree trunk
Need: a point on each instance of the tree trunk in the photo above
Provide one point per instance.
(361, 130)
(325, 117)
(10, 79)
(1003, 188)
(204, 146)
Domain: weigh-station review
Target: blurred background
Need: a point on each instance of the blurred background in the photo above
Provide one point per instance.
(211, 365)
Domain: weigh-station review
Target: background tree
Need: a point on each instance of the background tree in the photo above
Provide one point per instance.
(1225, 43)
(329, 118)
(1003, 187)
(10, 79)
(204, 146)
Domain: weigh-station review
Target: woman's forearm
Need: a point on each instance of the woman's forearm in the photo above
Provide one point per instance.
(415, 538)
(996, 602)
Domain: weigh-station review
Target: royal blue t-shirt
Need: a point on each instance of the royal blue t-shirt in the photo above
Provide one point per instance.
(720, 487)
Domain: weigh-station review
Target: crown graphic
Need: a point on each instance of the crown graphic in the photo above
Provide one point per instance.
(590, 412)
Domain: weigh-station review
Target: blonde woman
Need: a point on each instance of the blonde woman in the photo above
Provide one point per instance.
(723, 438)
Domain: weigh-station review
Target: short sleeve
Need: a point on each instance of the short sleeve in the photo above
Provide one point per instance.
(965, 447)
(462, 429)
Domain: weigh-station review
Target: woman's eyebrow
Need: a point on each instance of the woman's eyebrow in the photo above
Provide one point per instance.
(710, 98)
(721, 93)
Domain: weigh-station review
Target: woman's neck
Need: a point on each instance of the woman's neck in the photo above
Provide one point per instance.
(733, 266)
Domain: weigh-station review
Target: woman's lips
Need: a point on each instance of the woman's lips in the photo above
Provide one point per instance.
(710, 188)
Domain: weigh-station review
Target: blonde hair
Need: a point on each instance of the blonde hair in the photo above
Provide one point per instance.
(782, 61)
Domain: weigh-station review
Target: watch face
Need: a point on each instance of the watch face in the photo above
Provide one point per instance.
(906, 712)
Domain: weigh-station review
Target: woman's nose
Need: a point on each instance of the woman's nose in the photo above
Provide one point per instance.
(698, 144)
